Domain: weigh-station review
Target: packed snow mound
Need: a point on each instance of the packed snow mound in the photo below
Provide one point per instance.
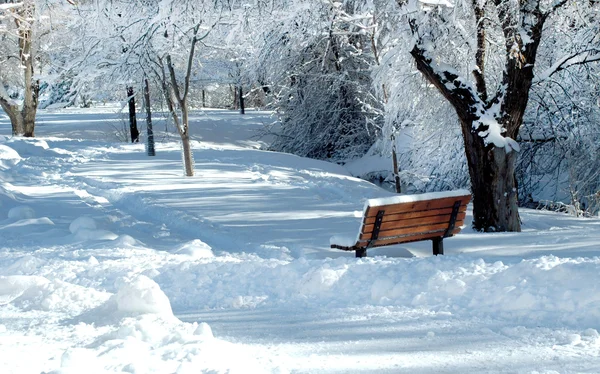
(82, 223)
(196, 249)
(28, 147)
(21, 212)
(8, 157)
(85, 229)
(142, 295)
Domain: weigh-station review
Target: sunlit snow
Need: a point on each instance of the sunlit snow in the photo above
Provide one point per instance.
(113, 261)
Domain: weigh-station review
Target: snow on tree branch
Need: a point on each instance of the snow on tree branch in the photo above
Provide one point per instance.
(588, 56)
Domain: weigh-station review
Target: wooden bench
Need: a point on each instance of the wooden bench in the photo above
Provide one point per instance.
(410, 218)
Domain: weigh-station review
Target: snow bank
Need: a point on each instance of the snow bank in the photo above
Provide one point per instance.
(545, 290)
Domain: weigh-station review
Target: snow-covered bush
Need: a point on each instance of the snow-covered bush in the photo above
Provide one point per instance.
(319, 63)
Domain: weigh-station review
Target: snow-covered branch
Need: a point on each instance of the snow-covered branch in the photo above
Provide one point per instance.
(579, 58)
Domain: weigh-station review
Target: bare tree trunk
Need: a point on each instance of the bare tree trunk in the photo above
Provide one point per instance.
(135, 134)
(396, 172)
(32, 87)
(15, 116)
(236, 98)
(150, 141)
(242, 108)
(188, 159)
(493, 184)
(23, 119)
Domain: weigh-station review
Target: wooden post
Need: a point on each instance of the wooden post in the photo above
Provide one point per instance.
(396, 172)
(438, 246)
(203, 99)
(135, 134)
(361, 252)
(150, 141)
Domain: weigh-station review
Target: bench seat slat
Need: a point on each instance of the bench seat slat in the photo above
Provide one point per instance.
(413, 222)
(447, 202)
(411, 230)
(407, 238)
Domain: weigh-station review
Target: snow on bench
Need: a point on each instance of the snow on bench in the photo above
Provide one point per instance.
(408, 218)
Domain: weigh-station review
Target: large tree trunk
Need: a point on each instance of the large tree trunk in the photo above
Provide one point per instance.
(22, 118)
(14, 114)
(493, 184)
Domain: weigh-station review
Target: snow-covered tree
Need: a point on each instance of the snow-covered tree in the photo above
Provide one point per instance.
(495, 41)
(157, 39)
(18, 33)
(317, 63)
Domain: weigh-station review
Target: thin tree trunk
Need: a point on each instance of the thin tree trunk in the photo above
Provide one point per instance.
(188, 159)
(151, 151)
(242, 108)
(135, 134)
(396, 172)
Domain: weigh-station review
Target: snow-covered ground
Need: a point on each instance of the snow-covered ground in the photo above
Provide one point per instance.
(112, 261)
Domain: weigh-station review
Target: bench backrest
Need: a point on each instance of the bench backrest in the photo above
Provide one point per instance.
(414, 218)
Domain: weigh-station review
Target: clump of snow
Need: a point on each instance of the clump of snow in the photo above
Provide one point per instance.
(79, 360)
(39, 293)
(21, 212)
(86, 235)
(196, 249)
(397, 199)
(343, 240)
(8, 156)
(142, 295)
(12, 287)
(84, 229)
(125, 241)
(321, 279)
(82, 223)
(204, 330)
(430, 3)
(493, 134)
(25, 265)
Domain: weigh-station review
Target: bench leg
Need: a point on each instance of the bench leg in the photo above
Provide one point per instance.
(438, 246)
(361, 252)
